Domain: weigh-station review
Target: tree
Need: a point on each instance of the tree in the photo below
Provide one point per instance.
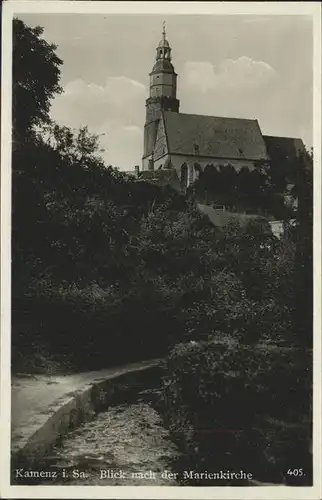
(303, 236)
(230, 398)
(35, 78)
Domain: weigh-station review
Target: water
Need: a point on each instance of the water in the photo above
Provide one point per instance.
(128, 437)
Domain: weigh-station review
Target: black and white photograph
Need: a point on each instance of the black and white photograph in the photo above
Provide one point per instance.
(161, 193)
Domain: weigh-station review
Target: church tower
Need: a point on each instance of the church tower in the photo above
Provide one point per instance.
(162, 96)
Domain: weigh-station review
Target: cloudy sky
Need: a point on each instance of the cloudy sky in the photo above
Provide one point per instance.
(237, 66)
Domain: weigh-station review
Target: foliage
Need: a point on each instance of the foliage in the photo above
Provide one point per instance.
(35, 78)
(74, 254)
(247, 190)
(225, 405)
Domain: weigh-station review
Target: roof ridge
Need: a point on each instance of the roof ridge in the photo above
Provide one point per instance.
(211, 116)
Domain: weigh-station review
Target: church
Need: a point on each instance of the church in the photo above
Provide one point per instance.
(178, 146)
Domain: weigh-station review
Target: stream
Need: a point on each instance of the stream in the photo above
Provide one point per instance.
(125, 445)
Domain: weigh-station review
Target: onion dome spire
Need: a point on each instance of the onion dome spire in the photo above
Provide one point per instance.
(164, 49)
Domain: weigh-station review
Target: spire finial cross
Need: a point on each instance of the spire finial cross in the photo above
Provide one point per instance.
(163, 29)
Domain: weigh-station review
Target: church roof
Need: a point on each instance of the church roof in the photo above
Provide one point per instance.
(212, 136)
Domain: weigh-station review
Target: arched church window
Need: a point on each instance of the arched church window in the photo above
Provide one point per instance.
(198, 171)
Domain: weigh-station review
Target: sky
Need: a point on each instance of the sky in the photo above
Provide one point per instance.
(257, 67)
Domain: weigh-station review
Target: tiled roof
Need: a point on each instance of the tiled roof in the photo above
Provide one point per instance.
(212, 136)
(221, 219)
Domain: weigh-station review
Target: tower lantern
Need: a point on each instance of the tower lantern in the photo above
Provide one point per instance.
(164, 49)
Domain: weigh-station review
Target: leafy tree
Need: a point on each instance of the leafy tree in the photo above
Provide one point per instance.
(35, 78)
(302, 235)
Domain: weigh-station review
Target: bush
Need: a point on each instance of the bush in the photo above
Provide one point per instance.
(231, 406)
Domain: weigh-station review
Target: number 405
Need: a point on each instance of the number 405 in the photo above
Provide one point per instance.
(295, 472)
